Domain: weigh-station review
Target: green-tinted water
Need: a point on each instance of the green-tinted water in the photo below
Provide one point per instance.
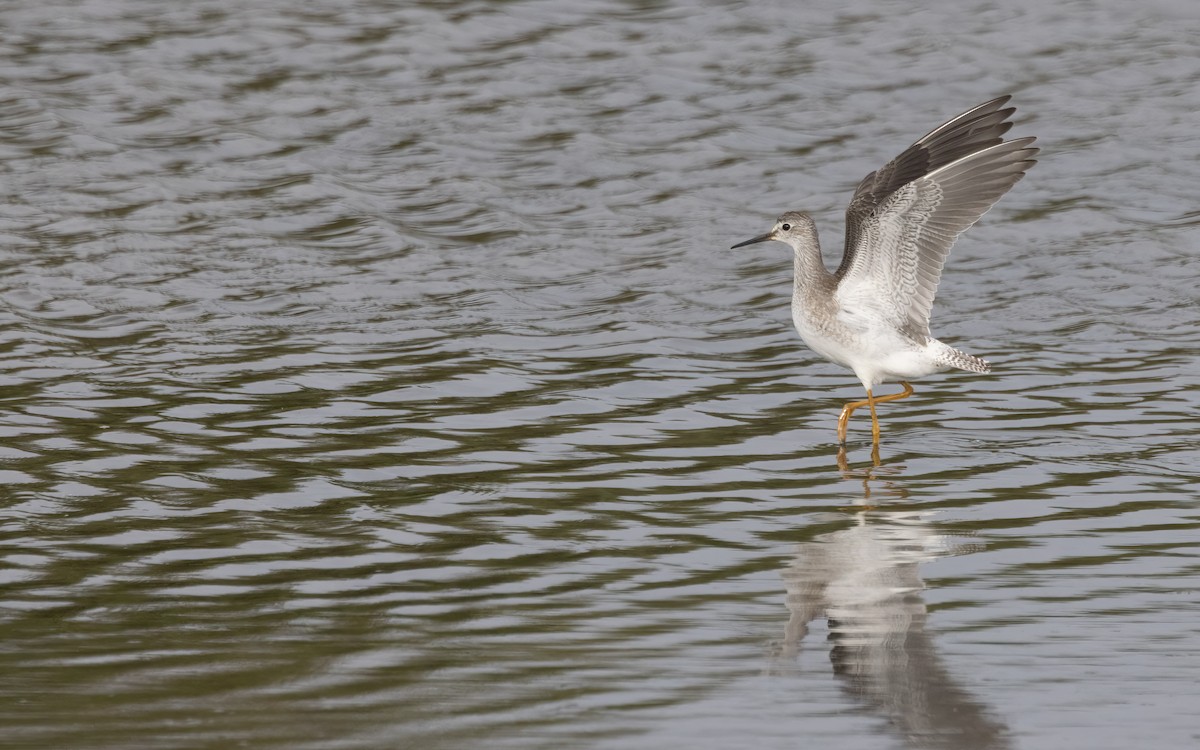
(377, 375)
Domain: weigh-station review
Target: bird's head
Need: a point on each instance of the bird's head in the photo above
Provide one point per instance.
(793, 228)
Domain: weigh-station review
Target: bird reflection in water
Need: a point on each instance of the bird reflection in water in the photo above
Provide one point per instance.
(864, 580)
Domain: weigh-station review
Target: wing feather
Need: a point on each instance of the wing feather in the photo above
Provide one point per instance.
(904, 218)
(971, 131)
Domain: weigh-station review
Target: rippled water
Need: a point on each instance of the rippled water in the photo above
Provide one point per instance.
(377, 375)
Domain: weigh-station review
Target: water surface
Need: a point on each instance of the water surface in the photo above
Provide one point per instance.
(377, 375)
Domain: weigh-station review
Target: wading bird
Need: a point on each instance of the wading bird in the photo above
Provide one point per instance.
(872, 314)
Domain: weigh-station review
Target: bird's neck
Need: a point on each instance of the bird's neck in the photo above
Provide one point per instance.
(810, 269)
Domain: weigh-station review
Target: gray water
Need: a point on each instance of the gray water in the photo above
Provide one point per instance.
(377, 375)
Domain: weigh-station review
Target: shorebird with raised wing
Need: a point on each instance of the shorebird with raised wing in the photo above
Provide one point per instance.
(872, 314)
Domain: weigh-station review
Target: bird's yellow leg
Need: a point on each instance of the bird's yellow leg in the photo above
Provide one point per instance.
(870, 400)
(844, 420)
(908, 391)
(874, 419)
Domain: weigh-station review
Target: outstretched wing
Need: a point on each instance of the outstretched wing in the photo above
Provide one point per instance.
(903, 219)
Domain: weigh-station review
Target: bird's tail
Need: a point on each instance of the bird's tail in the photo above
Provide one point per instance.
(952, 357)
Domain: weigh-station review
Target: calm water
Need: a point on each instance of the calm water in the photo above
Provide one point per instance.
(376, 375)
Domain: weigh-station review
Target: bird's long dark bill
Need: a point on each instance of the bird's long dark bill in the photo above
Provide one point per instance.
(760, 238)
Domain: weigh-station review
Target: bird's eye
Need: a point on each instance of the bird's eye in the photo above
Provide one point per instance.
(786, 227)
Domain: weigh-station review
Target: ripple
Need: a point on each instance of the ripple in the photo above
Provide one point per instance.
(380, 375)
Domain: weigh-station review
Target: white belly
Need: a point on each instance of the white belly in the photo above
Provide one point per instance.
(876, 356)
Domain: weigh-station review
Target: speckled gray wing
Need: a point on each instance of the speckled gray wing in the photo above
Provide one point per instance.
(903, 219)
(971, 131)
